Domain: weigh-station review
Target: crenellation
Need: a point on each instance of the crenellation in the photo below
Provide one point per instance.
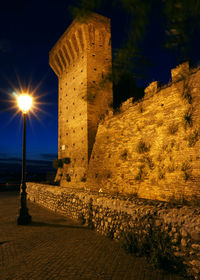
(148, 147)
(151, 89)
(180, 72)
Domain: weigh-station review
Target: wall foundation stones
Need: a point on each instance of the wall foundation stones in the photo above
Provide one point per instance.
(114, 215)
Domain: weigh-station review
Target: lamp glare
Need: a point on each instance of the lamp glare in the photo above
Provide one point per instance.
(24, 102)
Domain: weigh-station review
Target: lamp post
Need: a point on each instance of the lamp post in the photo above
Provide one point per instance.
(24, 102)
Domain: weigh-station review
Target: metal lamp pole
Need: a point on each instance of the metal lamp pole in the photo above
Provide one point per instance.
(24, 217)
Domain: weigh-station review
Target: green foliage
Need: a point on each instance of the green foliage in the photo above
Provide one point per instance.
(83, 179)
(141, 174)
(174, 202)
(187, 95)
(183, 20)
(56, 183)
(129, 242)
(81, 219)
(68, 178)
(66, 160)
(110, 233)
(188, 119)
(155, 245)
(142, 147)
(187, 169)
(193, 138)
(57, 163)
(186, 166)
(149, 162)
(171, 168)
(180, 20)
(141, 109)
(117, 111)
(124, 155)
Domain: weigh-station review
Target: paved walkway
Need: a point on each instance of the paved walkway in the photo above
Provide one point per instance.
(54, 247)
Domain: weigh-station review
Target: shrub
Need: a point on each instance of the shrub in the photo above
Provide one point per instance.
(149, 161)
(66, 160)
(140, 175)
(81, 219)
(142, 147)
(188, 119)
(186, 94)
(124, 155)
(190, 201)
(83, 179)
(186, 168)
(68, 178)
(57, 163)
(56, 183)
(193, 138)
(156, 246)
(129, 242)
(173, 128)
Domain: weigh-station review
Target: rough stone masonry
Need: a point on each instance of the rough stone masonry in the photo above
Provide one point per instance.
(122, 166)
(149, 148)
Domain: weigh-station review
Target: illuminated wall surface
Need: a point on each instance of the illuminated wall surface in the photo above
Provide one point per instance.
(150, 148)
(82, 61)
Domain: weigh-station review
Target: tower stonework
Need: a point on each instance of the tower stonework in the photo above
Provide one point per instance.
(81, 59)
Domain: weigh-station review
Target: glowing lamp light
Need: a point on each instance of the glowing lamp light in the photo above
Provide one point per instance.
(24, 102)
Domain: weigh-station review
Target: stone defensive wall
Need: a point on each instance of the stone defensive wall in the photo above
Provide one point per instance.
(116, 215)
(151, 148)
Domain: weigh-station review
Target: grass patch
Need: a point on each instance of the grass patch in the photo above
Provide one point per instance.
(186, 94)
(173, 128)
(187, 119)
(142, 147)
(186, 168)
(83, 179)
(193, 138)
(58, 163)
(68, 178)
(141, 174)
(155, 245)
(182, 201)
(124, 155)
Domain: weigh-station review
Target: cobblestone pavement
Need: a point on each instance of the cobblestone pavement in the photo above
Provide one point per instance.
(54, 247)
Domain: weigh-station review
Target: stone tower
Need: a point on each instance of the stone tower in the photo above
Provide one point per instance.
(82, 61)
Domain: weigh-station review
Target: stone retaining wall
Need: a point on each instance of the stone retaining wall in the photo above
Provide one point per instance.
(112, 215)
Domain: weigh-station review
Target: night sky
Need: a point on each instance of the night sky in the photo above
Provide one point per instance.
(28, 31)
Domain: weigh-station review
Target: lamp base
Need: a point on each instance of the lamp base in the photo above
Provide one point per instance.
(24, 217)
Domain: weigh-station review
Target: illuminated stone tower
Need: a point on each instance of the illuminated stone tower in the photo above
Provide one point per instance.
(82, 61)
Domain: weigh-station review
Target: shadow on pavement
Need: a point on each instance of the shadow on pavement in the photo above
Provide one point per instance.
(42, 224)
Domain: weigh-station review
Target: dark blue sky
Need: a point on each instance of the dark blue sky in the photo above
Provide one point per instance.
(28, 31)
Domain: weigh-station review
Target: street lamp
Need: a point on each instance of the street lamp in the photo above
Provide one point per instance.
(24, 103)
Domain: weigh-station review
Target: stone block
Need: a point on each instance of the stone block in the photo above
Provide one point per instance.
(180, 72)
